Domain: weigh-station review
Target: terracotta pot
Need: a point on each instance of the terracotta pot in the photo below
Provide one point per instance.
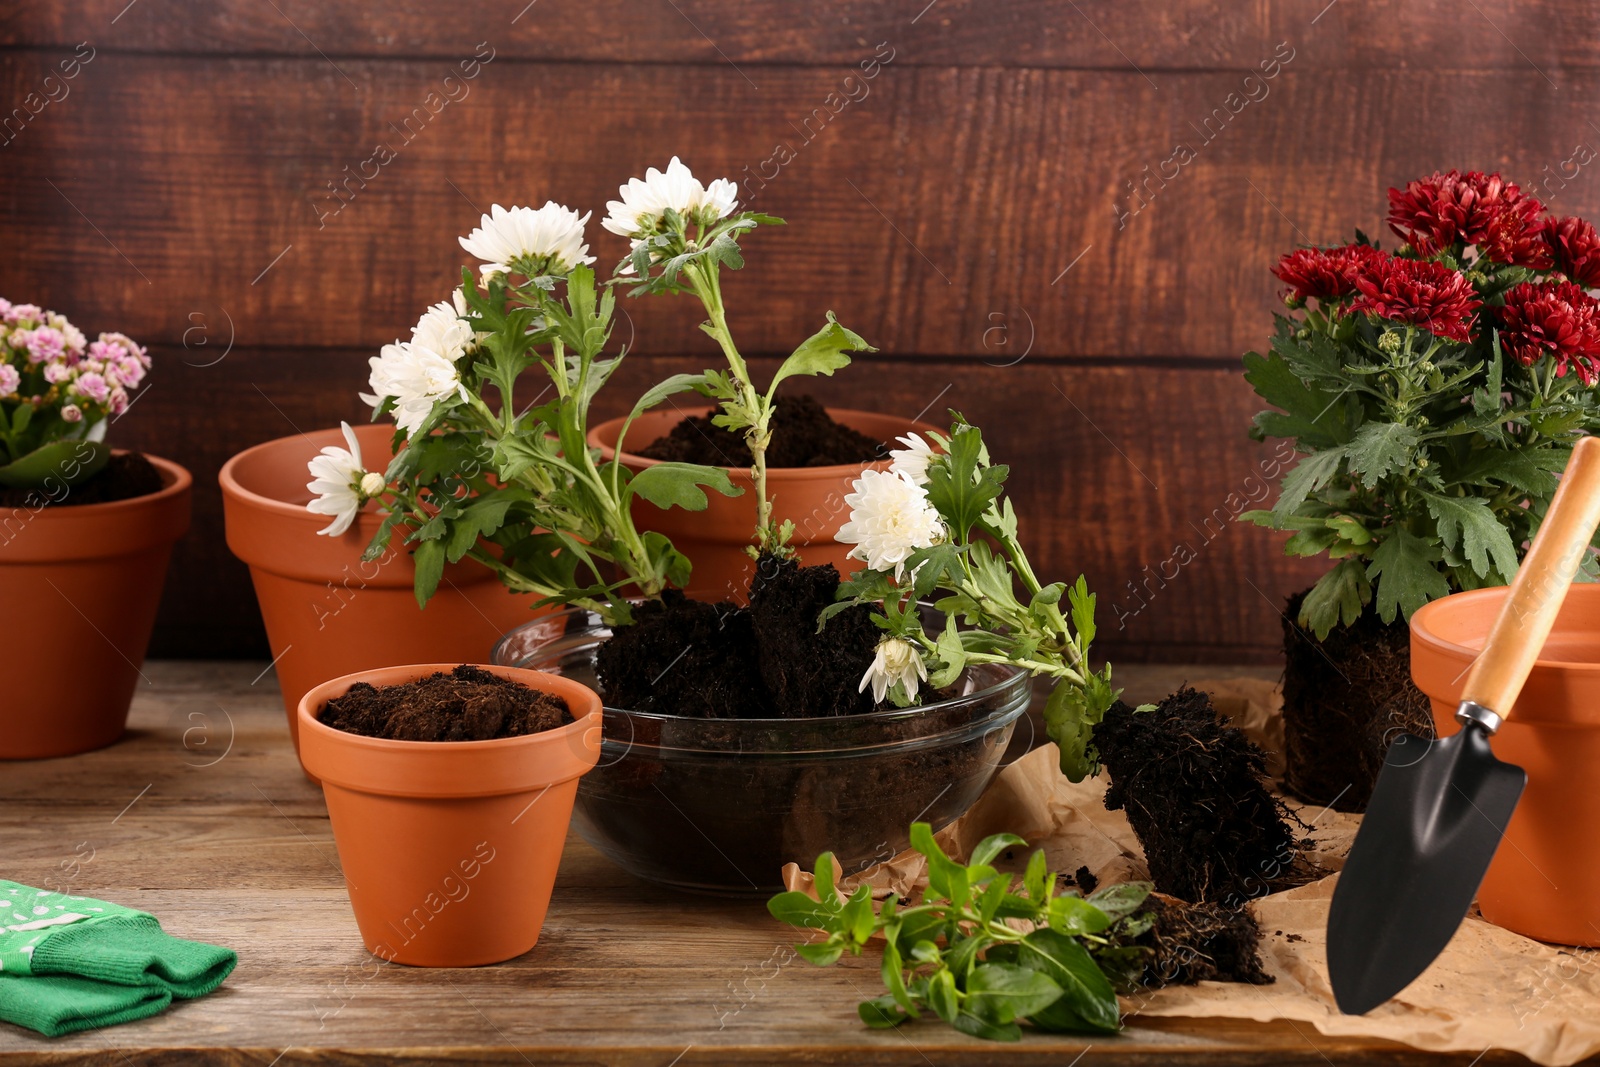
(76, 580)
(329, 614)
(1545, 879)
(450, 848)
(715, 539)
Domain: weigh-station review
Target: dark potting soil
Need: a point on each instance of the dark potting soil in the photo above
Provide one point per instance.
(1188, 943)
(659, 810)
(803, 435)
(468, 704)
(721, 661)
(1195, 792)
(125, 476)
(1345, 699)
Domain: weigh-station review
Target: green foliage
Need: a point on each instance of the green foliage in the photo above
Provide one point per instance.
(519, 490)
(981, 950)
(973, 576)
(1425, 462)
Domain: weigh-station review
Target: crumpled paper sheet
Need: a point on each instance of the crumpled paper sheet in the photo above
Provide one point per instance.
(1489, 989)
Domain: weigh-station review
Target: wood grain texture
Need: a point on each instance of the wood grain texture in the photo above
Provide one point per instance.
(1152, 35)
(1105, 486)
(624, 973)
(946, 203)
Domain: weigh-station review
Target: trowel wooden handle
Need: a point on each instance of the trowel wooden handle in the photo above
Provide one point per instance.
(1541, 584)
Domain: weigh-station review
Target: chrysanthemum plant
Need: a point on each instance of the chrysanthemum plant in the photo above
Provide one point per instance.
(496, 466)
(57, 391)
(1433, 394)
(937, 526)
(683, 234)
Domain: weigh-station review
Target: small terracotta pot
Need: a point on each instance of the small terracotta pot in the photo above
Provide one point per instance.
(81, 586)
(327, 613)
(715, 539)
(1544, 882)
(450, 848)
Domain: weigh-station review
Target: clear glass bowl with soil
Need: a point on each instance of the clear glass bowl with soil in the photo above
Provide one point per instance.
(721, 804)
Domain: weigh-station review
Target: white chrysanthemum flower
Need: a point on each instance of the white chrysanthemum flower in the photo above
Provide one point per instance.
(890, 518)
(340, 484)
(417, 378)
(441, 329)
(914, 458)
(644, 201)
(529, 241)
(897, 660)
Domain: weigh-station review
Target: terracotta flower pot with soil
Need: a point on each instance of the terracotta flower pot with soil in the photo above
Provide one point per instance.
(812, 497)
(1544, 881)
(449, 846)
(328, 613)
(88, 577)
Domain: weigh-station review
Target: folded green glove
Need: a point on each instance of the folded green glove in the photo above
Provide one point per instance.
(74, 963)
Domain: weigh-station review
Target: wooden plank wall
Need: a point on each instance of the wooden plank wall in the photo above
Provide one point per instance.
(1054, 215)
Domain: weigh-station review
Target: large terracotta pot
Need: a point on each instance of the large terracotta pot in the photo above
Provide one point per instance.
(715, 539)
(450, 848)
(80, 587)
(1545, 879)
(329, 614)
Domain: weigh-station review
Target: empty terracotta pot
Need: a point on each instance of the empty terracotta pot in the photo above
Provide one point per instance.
(327, 613)
(450, 848)
(81, 586)
(1544, 882)
(715, 539)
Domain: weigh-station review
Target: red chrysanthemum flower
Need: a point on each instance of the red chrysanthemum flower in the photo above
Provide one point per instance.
(1556, 319)
(1517, 238)
(1575, 246)
(1325, 273)
(1424, 294)
(1435, 212)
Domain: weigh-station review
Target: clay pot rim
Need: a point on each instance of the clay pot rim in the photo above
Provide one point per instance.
(793, 474)
(576, 695)
(181, 481)
(1423, 635)
(231, 485)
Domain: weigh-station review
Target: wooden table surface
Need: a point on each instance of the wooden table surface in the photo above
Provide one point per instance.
(202, 817)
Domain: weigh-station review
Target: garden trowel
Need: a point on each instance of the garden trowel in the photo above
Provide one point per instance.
(1439, 807)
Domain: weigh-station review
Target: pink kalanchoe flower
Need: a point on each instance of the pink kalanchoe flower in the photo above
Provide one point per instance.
(136, 351)
(131, 371)
(71, 413)
(46, 343)
(24, 313)
(57, 372)
(119, 401)
(5, 306)
(93, 386)
(9, 379)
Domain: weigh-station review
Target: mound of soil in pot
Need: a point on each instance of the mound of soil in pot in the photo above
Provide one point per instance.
(1187, 943)
(803, 435)
(1345, 700)
(722, 661)
(125, 476)
(468, 704)
(1195, 792)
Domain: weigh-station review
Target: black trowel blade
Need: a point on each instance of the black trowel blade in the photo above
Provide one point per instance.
(1436, 817)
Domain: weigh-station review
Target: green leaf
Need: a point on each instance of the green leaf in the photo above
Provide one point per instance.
(1310, 474)
(1001, 992)
(1084, 988)
(429, 562)
(1073, 916)
(1380, 449)
(1407, 574)
(1338, 597)
(798, 909)
(992, 846)
(822, 353)
(962, 487)
(881, 1013)
(1120, 899)
(678, 485)
(1467, 523)
(822, 879)
(822, 953)
(946, 877)
(1312, 414)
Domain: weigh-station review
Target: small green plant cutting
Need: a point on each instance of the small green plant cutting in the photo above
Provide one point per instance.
(981, 950)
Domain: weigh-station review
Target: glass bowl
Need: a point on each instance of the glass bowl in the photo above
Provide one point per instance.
(720, 805)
